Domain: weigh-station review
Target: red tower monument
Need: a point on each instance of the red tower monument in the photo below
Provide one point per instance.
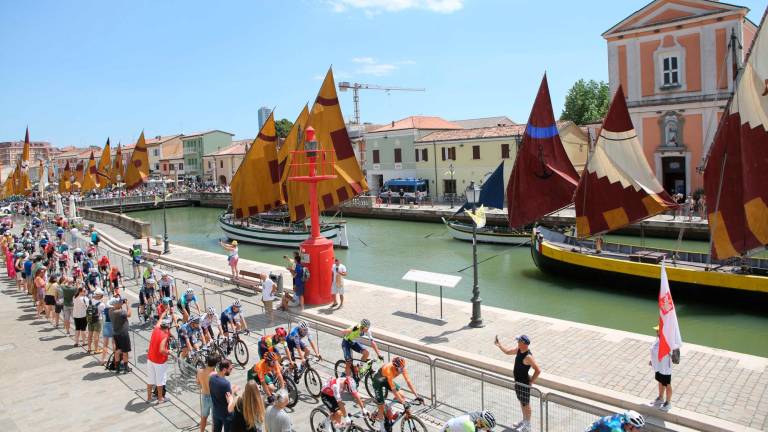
(316, 251)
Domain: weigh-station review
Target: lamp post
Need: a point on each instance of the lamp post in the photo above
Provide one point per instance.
(120, 192)
(166, 245)
(451, 171)
(473, 196)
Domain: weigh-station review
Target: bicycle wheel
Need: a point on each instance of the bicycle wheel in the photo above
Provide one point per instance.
(313, 382)
(369, 386)
(412, 424)
(318, 420)
(293, 392)
(339, 368)
(241, 353)
(374, 425)
(139, 315)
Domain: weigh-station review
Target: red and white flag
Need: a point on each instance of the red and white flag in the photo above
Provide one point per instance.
(669, 330)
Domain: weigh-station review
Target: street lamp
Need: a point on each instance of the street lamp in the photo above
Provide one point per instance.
(166, 245)
(120, 192)
(451, 172)
(473, 197)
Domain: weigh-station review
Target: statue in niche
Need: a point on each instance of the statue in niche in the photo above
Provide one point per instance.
(671, 130)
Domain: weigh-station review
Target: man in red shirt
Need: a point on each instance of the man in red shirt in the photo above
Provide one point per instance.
(157, 355)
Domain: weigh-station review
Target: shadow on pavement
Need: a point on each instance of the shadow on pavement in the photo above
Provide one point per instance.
(76, 356)
(36, 323)
(413, 316)
(25, 317)
(137, 405)
(63, 347)
(50, 338)
(94, 376)
(92, 363)
(46, 330)
(442, 336)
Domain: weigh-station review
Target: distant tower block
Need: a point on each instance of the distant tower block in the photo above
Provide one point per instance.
(264, 113)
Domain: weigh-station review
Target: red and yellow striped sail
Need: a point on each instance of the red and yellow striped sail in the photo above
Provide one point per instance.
(117, 174)
(736, 173)
(90, 182)
(331, 133)
(617, 187)
(137, 171)
(256, 184)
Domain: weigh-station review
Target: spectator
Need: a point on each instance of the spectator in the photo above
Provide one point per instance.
(402, 196)
(267, 295)
(338, 272)
(107, 334)
(663, 370)
(523, 382)
(78, 313)
(276, 418)
(59, 302)
(689, 207)
(157, 355)
(702, 207)
(68, 292)
(50, 296)
(93, 315)
(298, 280)
(233, 257)
(221, 390)
(203, 380)
(118, 315)
(248, 410)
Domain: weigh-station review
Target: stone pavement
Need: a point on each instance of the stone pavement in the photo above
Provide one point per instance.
(579, 357)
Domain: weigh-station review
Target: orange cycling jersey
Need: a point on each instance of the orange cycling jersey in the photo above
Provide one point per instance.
(262, 369)
(390, 372)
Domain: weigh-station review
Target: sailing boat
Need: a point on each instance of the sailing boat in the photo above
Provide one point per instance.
(491, 196)
(261, 188)
(618, 188)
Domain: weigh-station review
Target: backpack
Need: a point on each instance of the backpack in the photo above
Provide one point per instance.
(675, 356)
(92, 311)
(304, 274)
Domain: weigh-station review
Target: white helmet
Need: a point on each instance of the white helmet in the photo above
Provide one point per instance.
(634, 418)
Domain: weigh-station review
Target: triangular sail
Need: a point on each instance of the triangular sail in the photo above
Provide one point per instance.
(736, 173)
(25, 185)
(105, 165)
(255, 186)
(65, 184)
(137, 171)
(618, 187)
(90, 182)
(543, 179)
(78, 183)
(492, 193)
(117, 174)
(293, 141)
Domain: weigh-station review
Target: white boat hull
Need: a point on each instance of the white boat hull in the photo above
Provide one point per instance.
(281, 236)
(485, 235)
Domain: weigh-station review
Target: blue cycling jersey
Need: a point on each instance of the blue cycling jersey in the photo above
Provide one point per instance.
(228, 314)
(295, 335)
(614, 423)
(186, 331)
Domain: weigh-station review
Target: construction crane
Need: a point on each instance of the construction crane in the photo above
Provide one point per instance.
(356, 87)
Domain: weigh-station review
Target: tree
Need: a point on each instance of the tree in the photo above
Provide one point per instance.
(586, 102)
(283, 127)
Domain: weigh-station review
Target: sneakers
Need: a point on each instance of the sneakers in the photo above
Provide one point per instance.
(666, 406)
(656, 402)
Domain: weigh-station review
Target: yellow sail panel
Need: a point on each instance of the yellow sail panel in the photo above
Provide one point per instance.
(137, 171)
(117, 175)
(24, 183)
(90, 182)
(296, 195)
(105, 166)
(256, 184)
(65, 184)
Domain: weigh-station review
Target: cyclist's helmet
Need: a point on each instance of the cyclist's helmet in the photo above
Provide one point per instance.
(165, 323)
(270, 357)
(488, 419)
(303, 325)
(365, 323)
(211, 310)
(398, 362)
(236, 303)
(189, 291)
(634, 418)
(280, 332)
(194, 319)
(167, 300)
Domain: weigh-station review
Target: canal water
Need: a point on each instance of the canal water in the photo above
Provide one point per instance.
(382, 251)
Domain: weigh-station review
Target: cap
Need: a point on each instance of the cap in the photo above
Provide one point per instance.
(114, 301)
(524, 339)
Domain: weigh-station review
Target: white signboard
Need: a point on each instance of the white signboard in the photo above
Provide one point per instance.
(437, 279)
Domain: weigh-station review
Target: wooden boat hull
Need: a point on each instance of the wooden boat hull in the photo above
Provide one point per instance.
(613, 268)
(461, 231)
(278, 236)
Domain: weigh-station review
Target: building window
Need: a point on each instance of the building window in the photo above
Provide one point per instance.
(417, 154)
(181, 166)
(156, 152)
(670, 71)
(452, 153)
(444, 152)
(424, 155)
(157, 167)
(376, 156)
(221, 164)
(476, 152)
(398, 155)
(505, 151)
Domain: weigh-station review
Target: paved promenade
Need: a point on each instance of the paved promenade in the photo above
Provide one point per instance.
(711, 385)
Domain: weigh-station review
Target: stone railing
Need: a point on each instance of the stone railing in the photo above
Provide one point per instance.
(128, 224)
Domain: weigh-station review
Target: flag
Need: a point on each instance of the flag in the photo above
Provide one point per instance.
(137, 171)
(669, 330)
(105, 166)
(478, 216)
(89, 182)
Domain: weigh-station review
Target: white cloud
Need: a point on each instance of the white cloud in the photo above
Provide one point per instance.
(371, 7)
(371, 66)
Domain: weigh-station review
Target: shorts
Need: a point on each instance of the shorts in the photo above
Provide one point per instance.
(156, 373)
(523, 392)
(298, 290)
(380, 384)
(292, 346)
(94, 326)
(137, 259)
(184, 306)
(58, 308)
(81, 324)
(233, 261)
(337, 289)
(207, 330)
(122, 342)
(40, 294)
(67, 313)
(165, 291)
(50, 300)
(347, 347)
(143, 297)
(267, 305)
(19, 276)
(62, 265)
(115, 284)
(330, 402)
(207, 406)
(106, 330)
(664, 380)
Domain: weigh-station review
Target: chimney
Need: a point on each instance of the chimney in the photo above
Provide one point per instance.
(393, 123)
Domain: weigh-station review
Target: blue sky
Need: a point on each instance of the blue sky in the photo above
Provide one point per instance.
(80, 71)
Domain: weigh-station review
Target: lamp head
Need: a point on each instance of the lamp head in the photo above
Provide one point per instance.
(310, 142)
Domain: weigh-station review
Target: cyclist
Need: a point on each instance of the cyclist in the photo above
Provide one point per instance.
(63, 257)
(77, 255)
(233, 314)
(471, 422)
(190, 336)
(184, 302)
(166, 283)
(624, 422)
(60, 233)
(166, 304)
(269, 343)
(115, 278)
(331, 394)
(295, 340)
(104, 265)
(207, 322)
(149, 273)
(385, 378)
(267, 372)
(349, 343)
(88, 263)
(146, 294)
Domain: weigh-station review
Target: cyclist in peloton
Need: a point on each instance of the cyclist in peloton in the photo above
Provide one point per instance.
(166, 306)
(168, 286)
(385, 379)
(146, 294)
(185, 301)
(331, 394)
(269, 343)
(189, 336)
(267, 372)
(233, 314)
(115, 279)
(349, 343)
(624, 422)
(149, 273)
(207, 322)
(94, 279)
(296, 340)
(471, 422)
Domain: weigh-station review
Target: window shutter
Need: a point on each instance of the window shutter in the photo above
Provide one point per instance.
(416, 151)
(443, 151)
(424, 155)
